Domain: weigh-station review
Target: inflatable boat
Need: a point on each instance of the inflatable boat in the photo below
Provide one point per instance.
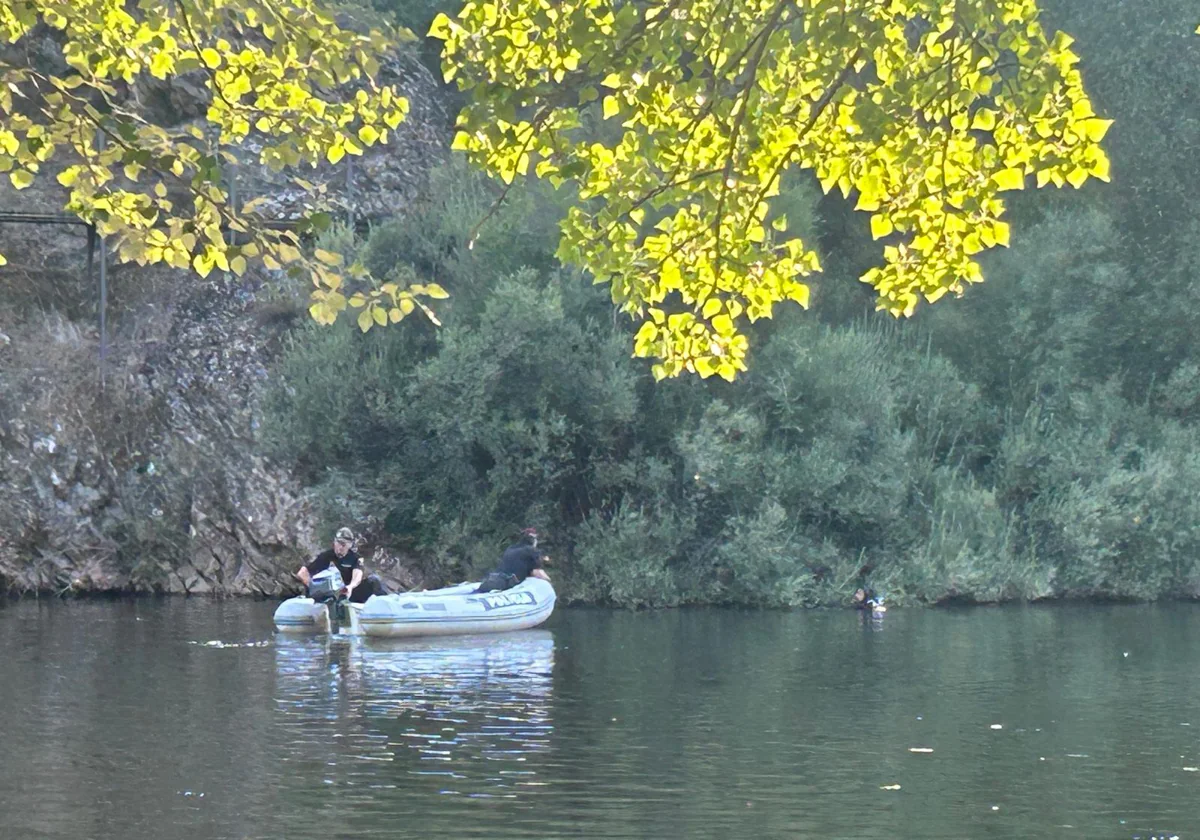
(322, 610)
(305, 615)
(457, 610)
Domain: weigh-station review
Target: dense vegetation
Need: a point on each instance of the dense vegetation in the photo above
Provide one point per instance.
(1037, 438)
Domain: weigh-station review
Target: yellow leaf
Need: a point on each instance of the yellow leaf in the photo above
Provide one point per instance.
(1001, 233)
(436, 292)
(881, 226)
(711, 307)
(328, 257)
(203, 264)
(1010, 179)
(161, 65)
(1095, 129)
(379, 315)
(1102, 168)
(646, 335)
(365, 321)
(211, 58)
(985, 120)
(440, 28)
(368, 135)
(336, 153)
(611, 106)
(21, 178)
(394, 315)
(238, 265)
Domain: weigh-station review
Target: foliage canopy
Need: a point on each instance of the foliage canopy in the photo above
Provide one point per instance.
(280, 72)
(675, 120)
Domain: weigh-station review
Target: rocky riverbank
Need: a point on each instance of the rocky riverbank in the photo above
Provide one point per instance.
(141, 472)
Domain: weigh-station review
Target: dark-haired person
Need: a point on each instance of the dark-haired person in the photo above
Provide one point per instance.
(518, 562)
(357, 587)
(866, 599)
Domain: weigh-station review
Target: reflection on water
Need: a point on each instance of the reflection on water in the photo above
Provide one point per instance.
(457, 715)
(189, 719)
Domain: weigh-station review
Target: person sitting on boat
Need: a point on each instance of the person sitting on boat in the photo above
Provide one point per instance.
(518, 562)
(347, 561)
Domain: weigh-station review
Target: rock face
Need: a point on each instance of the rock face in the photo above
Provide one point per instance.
(384, 179)
(151, 481)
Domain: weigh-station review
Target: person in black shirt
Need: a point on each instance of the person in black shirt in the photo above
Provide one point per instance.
(518, 562)
(866, 599)
(358, 589)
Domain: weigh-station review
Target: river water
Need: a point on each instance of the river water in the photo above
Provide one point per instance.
(191, 719)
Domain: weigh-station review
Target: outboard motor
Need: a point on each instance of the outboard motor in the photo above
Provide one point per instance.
(326, 586)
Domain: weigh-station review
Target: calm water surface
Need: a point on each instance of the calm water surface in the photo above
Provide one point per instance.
(190, 719)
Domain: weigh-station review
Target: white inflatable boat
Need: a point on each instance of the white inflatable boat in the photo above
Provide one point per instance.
(322, 611)
(456, 610)
(304, 615)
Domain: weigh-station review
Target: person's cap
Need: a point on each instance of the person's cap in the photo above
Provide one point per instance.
(344, 535)
(529, 532)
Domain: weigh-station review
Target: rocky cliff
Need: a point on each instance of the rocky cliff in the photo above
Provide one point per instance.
(141, 472)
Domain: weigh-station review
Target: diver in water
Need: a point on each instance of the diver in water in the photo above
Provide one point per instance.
(867, 599)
